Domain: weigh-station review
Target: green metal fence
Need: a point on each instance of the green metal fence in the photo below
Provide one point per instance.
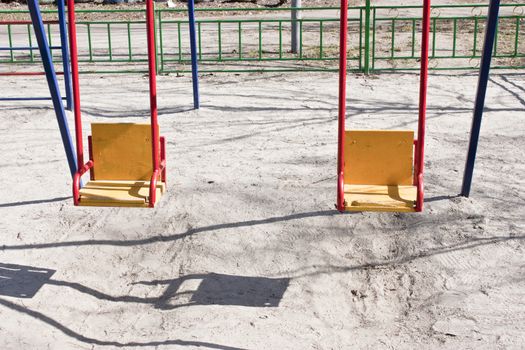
(381, 38)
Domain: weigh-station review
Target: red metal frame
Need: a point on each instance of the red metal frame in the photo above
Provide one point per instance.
(419, 143)
(72, 28)
(90, 152)
(343, 35)
(159, 143)
(150, 27)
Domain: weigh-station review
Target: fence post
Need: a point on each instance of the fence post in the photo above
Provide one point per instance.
(296, 19)
(367, 38)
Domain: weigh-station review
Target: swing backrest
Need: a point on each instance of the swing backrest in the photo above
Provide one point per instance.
(122, 151)
(379, 157)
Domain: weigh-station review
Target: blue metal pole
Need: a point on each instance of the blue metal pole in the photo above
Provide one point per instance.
(65, 54)
(194, 63)
(484, 71)
(52, 82)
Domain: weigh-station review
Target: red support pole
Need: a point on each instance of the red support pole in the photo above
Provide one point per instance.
(72, 27)
(343, 36)
(420, 144)
(150, 28)
(152, 83)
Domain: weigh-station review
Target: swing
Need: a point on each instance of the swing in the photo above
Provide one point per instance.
(123, 176)
(127, 161)
(381, 170)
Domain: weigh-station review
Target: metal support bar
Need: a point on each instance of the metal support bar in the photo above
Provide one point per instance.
(152, 59)
(419, 162)
(343, 35)
(65, 54)
(52, 82)
(72, 26)
(194, 63)
(484, 73)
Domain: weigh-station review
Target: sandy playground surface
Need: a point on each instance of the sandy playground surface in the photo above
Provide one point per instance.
(246, 251)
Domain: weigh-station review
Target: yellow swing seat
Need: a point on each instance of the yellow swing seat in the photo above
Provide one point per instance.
(378, 171)
(122, 170)
(118, 193)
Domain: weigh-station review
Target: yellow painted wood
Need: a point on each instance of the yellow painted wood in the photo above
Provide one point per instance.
(118, 193)
(122, 151)
(380, 198)
(378, 157)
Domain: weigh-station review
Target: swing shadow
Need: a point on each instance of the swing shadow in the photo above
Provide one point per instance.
(198, 289)
(239, 290)
(220, 289)
(20, 281)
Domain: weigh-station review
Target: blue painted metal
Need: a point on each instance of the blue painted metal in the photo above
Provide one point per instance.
(193, 46)
(52, 82)
(65, 54)
(484, 72)
(65, 59)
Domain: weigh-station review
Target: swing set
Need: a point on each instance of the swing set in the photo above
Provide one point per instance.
(377, 170)
(381, 170)
(127, 161)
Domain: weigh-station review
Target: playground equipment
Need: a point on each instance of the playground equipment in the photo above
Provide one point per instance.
(193, 48)
(127, 162)
(381, 170)
(484, 72)
(64, 53)
(51, 77)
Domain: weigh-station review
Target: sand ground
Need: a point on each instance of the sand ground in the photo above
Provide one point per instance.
(246, 251)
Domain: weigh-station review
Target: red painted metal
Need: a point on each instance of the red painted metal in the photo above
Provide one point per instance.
(150, 27)
(416, 161)
(163, 158)
(72, 28)
(152, 82)
(158, 149)
(343, 34)
(153, 188)
(420, 145)
(76, 180)
(90, 150)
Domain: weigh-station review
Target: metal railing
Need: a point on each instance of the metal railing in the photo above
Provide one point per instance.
(381, 38)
